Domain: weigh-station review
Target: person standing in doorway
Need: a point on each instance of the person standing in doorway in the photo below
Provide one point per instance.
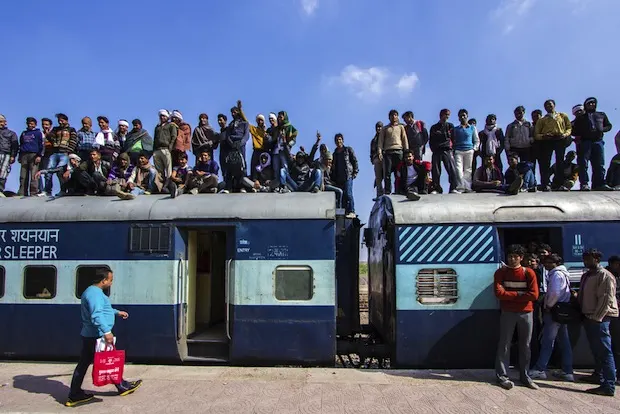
(517, 290)
(97, 322)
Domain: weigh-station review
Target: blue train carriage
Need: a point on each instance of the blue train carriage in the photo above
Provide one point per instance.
(431, 266)
(241, 279)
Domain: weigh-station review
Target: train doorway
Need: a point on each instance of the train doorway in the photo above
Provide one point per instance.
(207, 315)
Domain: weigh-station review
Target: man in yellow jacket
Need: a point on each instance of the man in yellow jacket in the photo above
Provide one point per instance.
(551, 133)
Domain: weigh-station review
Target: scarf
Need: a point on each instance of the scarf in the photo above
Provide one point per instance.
(492, 143)
(133, 137)
(142, 174)
(260, 167)
(203, 136)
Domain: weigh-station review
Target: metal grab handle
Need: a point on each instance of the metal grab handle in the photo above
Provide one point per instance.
(227, 296)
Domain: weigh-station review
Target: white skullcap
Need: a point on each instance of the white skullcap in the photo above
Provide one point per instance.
(164, 112)
(123, 122)
(177, 114)
(577, 108)
(260, 116)
(75, 157)
(273, 116)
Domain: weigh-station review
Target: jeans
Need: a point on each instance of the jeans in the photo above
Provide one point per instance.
(150, 184)
(347, 199)
(599, 338)
(614, 330)
(508, 321)
(529, 180)
(464, 161)
(87, 356)
(447, 158)
(57, 159)
(593, 152)
(545, 152)
(280, 160)
(391, 159)
(315, 180)
(551, 331)
(338, 192)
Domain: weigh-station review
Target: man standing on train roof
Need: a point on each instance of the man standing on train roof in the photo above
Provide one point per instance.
(417, 135)
(589, 129)
(97, 322)
(164, 140)
(9, 145)
(440, 142)
(261, 140)
(465, 140)
(392, 143)
(551, 134)
(374, 159)
(221, 122)
(516, 288)
(520, 136)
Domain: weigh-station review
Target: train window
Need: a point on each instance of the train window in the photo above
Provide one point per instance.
(84, 277)
(294, 283)
(437, 286)
(149, 239)
(2, 278)
(39, 282)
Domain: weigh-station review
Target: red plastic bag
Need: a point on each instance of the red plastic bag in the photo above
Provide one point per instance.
(108, 367)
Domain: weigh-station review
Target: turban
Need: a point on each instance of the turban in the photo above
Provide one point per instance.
(164, 113)
(177, 114)
(590, 100)
(577, 108)
(273, 116)
(260, 116)
(123, 122)
(75, 157)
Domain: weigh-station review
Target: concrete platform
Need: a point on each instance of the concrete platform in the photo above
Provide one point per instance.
(43, 387)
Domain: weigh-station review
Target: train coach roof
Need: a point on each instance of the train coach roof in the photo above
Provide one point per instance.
(161, 207)
(499, 208)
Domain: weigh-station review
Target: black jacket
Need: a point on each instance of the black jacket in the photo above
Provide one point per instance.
(583, 128)
(440, 137)
(417, 138)
(350, 161)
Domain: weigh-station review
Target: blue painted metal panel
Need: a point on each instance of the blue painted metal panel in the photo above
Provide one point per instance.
(447, 244)
(53, 332)
(460, 339)
(577, 237)
(265, 335)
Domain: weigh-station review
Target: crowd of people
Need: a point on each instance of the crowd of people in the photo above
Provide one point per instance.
(536, 300)
(128, 161)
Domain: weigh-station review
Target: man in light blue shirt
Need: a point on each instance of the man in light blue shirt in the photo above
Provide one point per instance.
(97, 322)
(465, 142)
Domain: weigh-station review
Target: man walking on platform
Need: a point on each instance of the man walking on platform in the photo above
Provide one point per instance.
(97, 322)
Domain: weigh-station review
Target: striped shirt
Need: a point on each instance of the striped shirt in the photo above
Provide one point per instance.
(516, 289)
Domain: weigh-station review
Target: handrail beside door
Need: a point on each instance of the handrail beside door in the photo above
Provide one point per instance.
(227, 295)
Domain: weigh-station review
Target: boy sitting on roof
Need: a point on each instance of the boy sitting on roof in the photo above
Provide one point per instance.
(411, 176)
(489, 179)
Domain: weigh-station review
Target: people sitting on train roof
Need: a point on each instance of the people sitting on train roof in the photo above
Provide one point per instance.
(492, 140)
(300, 177)
(521, 169)
(74, 180)
(613, 173)
(589, 129)
(200, 179)
(107, 141)
(144, 180)
(326, 163)
(411, 176)
(489, 179)
(565, 179)
(120, 173)
(180, 175)
(262, 177)
(98, 171)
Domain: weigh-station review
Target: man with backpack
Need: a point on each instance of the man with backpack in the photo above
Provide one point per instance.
(417, 135)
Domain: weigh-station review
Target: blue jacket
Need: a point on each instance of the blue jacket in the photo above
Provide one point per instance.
(97, 313)
(465, 139)
(32, 141)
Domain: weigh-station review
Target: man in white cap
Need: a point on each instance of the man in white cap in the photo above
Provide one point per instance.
(589, 128)
(163, 143)
(261, 140)
(9, 146)
(76, 180)
(121, 131)
(184, 137)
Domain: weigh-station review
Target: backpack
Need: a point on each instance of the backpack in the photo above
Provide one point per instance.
(235, 164)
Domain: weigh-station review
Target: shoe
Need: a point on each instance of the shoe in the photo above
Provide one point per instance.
(455, 192)
(535, 374)
(563, 188)
(563, 376)
(604, 188)
(351, 215)
(78, 399)
(180, 191)
(172, 189)
(516, 185)
(224, 192)
(243, 190)
(285, 190)
(193, 191)
(412, 196)
(2, 195)
(532, 190)
(546, 189)
(506, 384)
(133, 385)
(125, 196)
(147, 193)
(601, 391)
(315, 190)
(252, 190)
(58, 195)
(41, 194)
(213, 190)
(434, 192)
(585, 187)
(531, 385)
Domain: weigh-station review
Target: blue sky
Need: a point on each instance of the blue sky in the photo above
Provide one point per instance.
(334, 65)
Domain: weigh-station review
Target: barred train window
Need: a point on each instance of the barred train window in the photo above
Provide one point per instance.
(39, 282)
(436, 286)
(2, 278)
(84, 277)
(294, 283)
(149, 239)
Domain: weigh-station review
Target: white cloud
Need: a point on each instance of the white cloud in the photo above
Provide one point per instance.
(309, 6)
(510, 12)
(406, 83)
(374, 82)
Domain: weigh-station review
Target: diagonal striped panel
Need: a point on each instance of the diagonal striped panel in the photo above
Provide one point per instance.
(447, 244)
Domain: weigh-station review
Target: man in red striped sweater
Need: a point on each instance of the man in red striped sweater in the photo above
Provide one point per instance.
(517, 290)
